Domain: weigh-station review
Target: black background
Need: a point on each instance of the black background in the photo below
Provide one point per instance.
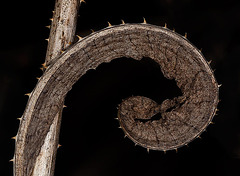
(91, 142)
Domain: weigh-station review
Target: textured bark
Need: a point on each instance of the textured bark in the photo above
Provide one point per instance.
(183, 118)
(62, 32)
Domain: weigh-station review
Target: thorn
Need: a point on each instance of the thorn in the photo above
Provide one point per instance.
(109, 24)
(41, 68)
(176, 150)
(47, 40)
(186, 145)
(81, 1)
(185, 35)
(200, 50)
(119, 127)
(59, 145)
(92, 30)
(209, 62)
(116, 118)
(125, 136)
(79, 38)
(123, 22)
(53, 11)
(12, 160)
(19, 119)
(135, 144)
(144, 21)
(212, 123)
(28, 94)
(165, 26)
(48, 26)
(64, 106)
(164, 152)
(148, 150)
(219, 85)
(51, 19)
(15, 137)
(173, 30)
(37, 78)
(199, 137)
(44, 65)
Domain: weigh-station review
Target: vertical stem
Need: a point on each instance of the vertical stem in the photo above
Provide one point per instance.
(63, 27)
(62, 33)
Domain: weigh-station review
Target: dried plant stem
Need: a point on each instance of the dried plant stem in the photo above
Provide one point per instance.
(62, 32)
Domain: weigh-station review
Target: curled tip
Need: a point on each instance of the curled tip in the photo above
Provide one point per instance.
(144, 21)
(109, 24)
(185, 35)
(165, 25)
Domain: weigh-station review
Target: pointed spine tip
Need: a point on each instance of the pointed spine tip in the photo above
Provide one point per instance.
(59, 145)
(122, 21)
(109, 24)
(49, 26)
(144, 21)
(173, 30)
(209, 62)
(47, 39)
(219, 85)
(165, 25)
(51, 19)
(19, 118)
(92, 30)
(82, 1)
(28, 94)
(185, 35)
(64, 106)
(14, 137)
(11, 160)
(176, 150)
(148, 150)
(79, 38)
